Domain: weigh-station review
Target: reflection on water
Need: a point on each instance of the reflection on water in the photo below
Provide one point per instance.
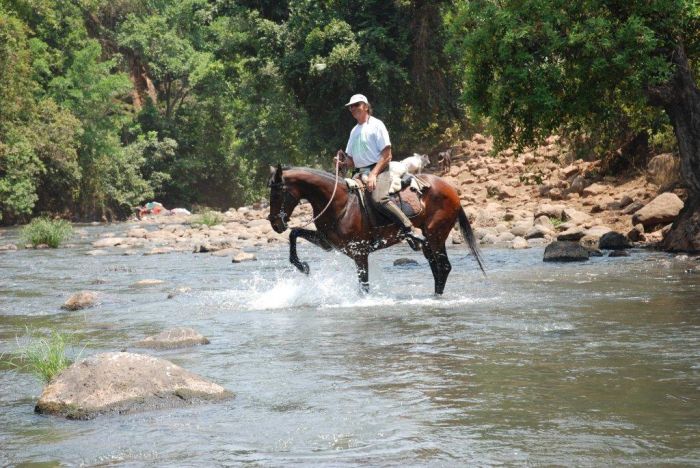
(577, 364)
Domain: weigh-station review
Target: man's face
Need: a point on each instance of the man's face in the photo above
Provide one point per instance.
(358, 111)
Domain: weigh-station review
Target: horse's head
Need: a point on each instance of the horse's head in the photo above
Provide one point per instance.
(283, 200)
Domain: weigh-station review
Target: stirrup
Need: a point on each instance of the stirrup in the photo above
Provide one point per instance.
(415, 241)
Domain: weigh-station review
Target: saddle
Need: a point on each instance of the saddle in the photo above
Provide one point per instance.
(409, 198)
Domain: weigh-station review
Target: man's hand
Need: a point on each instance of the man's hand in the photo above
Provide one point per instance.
(340, 157)
(371, 181)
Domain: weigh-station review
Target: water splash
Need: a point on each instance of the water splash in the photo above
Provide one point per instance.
(332, 284)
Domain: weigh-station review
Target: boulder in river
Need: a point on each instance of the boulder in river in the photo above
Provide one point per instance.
(124, 383)
(174, 338)
(243, 257)
(80, 300)
(565, 251)
(405, 262)
(148, 282)
(519, 243)
(108, 242)
(613, 241)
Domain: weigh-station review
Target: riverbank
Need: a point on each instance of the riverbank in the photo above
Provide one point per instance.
(512, 200)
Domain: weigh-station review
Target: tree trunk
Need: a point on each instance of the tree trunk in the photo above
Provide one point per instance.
(680, 98)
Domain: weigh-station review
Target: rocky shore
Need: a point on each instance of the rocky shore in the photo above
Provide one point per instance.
(513, 200)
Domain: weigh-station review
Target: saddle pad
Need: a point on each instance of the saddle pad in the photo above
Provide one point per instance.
(408, 200)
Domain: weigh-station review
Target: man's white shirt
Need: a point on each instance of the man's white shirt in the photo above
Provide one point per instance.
(367, 141)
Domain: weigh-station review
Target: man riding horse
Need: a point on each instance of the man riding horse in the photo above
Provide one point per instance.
(369, 150)
(339, 215)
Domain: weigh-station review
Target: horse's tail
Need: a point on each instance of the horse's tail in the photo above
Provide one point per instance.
(468, 235)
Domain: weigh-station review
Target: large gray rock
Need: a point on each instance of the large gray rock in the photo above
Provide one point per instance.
(575, 216)
(545, 222)
(214, 245)
(123, 383)
(594, 189)
(108, 242)
(80, 300)
(613, 241)
(550, 211)
(243, 257)
(174, 338)
(572, 234)
(661, 210)
(636, 234)
(147, 282)
(664, 170)
(405, 262)
(539, 232)
(633, 207)
(564, 251)
(519, 243)
(578, 184)
(521, 228)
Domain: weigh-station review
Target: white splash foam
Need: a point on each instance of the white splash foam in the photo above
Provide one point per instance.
(332, 284)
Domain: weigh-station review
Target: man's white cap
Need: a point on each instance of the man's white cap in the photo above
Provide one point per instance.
(357, 98)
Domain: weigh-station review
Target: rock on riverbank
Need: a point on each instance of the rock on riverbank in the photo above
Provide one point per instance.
(124, 383)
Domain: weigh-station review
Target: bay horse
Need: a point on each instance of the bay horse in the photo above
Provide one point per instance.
(342, 225)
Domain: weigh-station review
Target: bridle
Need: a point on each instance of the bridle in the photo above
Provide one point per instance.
(286, 195)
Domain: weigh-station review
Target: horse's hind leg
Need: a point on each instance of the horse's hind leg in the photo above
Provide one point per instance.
(439, 264)
(312, 236)
(432, 261)
(444, 267)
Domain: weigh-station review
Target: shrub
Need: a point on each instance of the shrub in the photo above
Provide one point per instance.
(209, 218)
(47, 231)
(45, 356)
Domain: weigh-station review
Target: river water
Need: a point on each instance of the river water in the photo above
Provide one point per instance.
(595, 363)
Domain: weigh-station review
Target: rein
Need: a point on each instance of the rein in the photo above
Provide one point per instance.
(335, 188)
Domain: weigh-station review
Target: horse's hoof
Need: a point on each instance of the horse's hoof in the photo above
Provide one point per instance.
(305, 268)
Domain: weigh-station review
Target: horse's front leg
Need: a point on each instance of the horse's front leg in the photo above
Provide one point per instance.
(362, 265)
(312, 236)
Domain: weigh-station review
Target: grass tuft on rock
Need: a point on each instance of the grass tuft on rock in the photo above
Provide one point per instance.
(209, 218)
(44, 356)
(46, 231)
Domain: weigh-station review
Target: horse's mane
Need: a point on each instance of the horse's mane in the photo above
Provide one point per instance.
(321, 173)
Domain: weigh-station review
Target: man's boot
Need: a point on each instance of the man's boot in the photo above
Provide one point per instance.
(415, 241)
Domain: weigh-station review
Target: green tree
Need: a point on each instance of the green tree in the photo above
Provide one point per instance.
(110, 182)
(19, 164)
(534, 67)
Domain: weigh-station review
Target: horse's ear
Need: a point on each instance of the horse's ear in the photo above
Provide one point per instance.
(273, 169)
(277, 174)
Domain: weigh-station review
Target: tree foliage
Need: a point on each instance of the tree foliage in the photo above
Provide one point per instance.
(535, 67)
(107, 104)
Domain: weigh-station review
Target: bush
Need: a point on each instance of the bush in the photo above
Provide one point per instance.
(209, 218)
(45, 357)
(47, 231)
